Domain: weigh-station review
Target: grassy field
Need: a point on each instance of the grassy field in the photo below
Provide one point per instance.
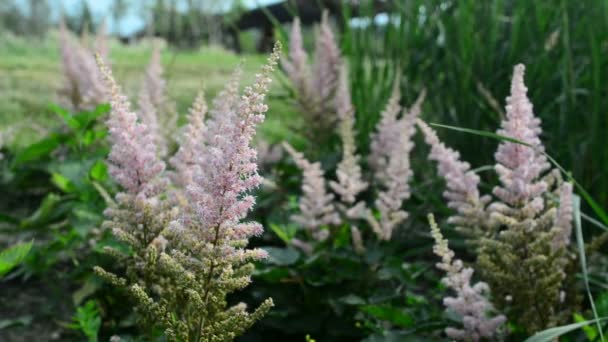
(31, 77)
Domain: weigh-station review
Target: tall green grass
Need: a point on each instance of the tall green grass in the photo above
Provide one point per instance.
(464, 51)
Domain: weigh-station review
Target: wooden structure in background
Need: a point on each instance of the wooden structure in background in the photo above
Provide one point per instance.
(309, 12)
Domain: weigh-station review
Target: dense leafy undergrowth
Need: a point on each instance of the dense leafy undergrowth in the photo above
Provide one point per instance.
(121, 224)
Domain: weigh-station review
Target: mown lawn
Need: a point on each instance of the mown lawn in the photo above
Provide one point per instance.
(31, 76)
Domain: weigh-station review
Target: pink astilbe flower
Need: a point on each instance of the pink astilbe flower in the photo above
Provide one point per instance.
(461, 191)
(387, 133)
(83, 86)
(470, 302)
(520, 167)
(192, 142)
(315, 85)
(316, 205)
(326, 66)
(296, 66)
(155, 110)
(226, 171)
(350, 181)
(132, 161)
(395, 182)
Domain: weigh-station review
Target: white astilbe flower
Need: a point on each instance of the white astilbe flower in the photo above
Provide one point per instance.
(563, 219)
(192, 142)
(316, 205)
(519, 167)
(387, 133)
(83, 86)
(350, 182)
(470, 302)
(461, 191)
(395, 183)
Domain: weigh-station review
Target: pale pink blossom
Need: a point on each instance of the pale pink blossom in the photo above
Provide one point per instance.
(470, 303)
(386, 136)
(350, 180)
(461, 192)
(395, 181)
(83, 87)
(316, 205)
(519, 167)
(133, 162)
(191, 143)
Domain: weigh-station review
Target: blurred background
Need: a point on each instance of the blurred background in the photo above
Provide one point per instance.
(461, 51)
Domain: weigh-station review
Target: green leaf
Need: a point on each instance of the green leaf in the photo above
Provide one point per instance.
(551, 334)
(87, 320)
(580, 243)
(284, 232)
(43, 213)
(282, 256)
(37, 150)
(13, 256)
(99, 171)
(62, 183)
(389, 313)
(66, 116)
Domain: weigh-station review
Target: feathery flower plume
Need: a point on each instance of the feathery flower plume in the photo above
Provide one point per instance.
(316, 205)
(523, 229)
(470, 302)
(387, 134)
(326, 66)
(83, 87)
(192, 142)
(315, 85)
(297, 67)
(188, 256)
(520, 167)
(461, 191)
(133, 162)
(350, 182)
(156, 111)
(395, 182)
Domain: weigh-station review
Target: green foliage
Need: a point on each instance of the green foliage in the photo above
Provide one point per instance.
(462, 52)
(87, 320)
(13, 256)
